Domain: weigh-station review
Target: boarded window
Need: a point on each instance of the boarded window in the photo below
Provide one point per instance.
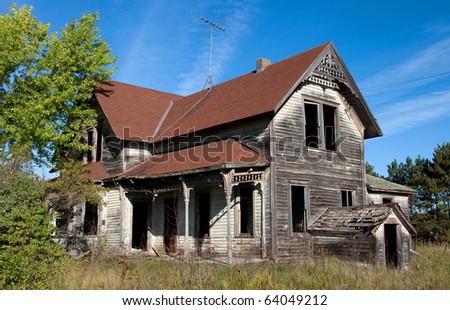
(245, 214)
(90, 224)
(347, 198)
(311, 125)
(298, 208)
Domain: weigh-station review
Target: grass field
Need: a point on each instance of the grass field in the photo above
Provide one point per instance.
(429, 271)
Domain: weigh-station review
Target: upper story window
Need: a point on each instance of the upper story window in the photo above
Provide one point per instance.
(94, 140)
(320, 126)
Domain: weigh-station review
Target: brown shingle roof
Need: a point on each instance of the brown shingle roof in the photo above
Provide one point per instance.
(214, 155)
(136, 108)
(249, 95)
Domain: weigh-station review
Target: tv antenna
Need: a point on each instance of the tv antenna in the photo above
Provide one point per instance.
(209, 80)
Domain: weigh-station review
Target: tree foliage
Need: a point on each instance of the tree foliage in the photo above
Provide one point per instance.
(431, 179)
(29, 259)
(370, 169)
(47, 81)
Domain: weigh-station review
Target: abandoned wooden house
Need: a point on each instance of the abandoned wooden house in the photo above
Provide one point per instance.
(269, 165)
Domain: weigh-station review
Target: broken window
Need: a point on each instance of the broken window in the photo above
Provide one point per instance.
(245, 209)
(347, 198)
(203, 213)
(94, 140)
(90, 224)
(317, 116)
(387, 200)
(311, 125)
(329, 127)
(298, 208)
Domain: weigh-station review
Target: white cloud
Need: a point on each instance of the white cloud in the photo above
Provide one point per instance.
(408, 75)
(411, 113)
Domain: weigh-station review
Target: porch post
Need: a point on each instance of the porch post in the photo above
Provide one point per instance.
(262, 184)
(186, 196)
(228, 186)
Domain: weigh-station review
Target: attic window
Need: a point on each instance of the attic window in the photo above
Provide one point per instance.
(320, 126)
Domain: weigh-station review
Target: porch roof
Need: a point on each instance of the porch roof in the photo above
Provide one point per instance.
(353, 220)
(211, 156)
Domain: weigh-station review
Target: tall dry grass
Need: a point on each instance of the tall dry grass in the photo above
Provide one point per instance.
(430, 270)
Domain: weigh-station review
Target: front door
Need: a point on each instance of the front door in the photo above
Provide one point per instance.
(170, 225)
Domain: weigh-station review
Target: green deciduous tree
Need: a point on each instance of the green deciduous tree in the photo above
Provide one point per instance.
(47, 82)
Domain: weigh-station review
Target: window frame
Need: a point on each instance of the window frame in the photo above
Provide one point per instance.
(321, 139)
(305, 186)
(237, 210)
(353, 197)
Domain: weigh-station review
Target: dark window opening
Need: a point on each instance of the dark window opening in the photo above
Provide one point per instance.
(90, 142)
(62, 222)
(246, 209)
(90, 224)
(390, 239)
(203, 214)
(170, 225)
(330, 127)
(347, 198)
(387, 200)
(139, 229)
(311, 125)
(298, 208)
(98, 155)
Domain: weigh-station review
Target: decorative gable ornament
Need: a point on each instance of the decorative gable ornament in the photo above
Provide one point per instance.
(327, 71)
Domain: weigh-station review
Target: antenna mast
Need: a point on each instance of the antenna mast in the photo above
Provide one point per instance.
(209, 80)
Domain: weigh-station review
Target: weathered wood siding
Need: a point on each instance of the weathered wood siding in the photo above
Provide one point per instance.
(134, 152)
(111, 148)
(403, 243)
(252, 133)
(325, 173)
(113, 219)
(402, 200)
(358, 248)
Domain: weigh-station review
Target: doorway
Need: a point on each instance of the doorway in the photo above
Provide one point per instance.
(390, 244)
(139, 229)
(170, 225)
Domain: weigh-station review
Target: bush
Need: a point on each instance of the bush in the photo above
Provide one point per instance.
(29, 259)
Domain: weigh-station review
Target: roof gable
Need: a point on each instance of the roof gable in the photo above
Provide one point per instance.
(133, 112)
(249, 95)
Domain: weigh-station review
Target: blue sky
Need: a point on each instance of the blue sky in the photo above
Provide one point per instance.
(397, 51)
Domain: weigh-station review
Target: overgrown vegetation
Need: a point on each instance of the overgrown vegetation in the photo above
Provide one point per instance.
(430, 270)
(46, 86)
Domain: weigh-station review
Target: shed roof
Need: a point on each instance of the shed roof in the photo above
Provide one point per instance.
(357, 219)
(377, 184)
